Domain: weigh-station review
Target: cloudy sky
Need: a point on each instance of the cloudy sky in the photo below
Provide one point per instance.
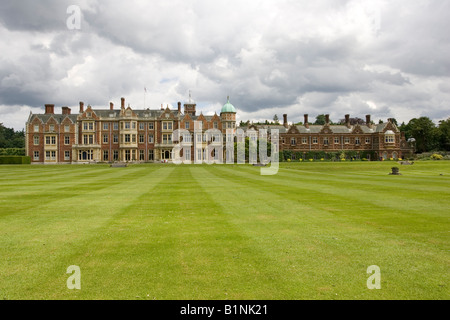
(384, 58)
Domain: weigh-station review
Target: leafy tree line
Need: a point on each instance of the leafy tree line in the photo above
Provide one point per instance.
(10, 138)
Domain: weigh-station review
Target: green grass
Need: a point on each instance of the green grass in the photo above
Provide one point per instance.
(225, 232)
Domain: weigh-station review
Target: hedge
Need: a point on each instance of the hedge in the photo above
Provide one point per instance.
(285, 155)
(15, 160)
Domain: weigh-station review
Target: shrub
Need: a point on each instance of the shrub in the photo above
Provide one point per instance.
(436, 156)
(15, 160)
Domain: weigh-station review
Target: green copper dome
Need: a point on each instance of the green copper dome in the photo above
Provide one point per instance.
(228, 107)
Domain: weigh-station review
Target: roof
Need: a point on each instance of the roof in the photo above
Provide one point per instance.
(228, 107)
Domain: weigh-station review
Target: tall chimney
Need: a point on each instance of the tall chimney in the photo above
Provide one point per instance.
(285, 124)
(66, 110)
(122, 103)
(347, 120)
(306, 121)
(368, 123)
(179, 107)
(111, 106)
(81, 106)
(162, 107)
(327, 119)
(49, 109)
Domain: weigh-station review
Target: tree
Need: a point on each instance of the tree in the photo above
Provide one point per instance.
(10, 138)
(275, 119)
(425, 132)
(320, 119)
(444, 135)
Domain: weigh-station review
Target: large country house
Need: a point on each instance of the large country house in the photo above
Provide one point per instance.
(130, 135)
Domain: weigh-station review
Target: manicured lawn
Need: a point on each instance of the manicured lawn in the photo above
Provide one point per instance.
(162, 231)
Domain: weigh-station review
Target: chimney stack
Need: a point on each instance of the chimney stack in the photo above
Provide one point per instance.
(122, 103)
(162, 107)
(306, 121)
(285, 123)
(111, 106)
(347, 120)
(81, 106)
(179, 107)
(368, 123)
(327, 119)
(49, 109)
(66, 110)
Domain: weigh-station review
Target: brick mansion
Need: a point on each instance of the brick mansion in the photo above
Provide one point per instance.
(131, 135)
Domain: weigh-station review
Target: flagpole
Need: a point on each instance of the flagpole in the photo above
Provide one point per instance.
(145, 92)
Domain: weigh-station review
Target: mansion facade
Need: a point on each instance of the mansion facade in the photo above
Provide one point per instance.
(128, 135)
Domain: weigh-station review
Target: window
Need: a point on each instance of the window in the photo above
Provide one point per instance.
(127, 125)
(325, 141)
(357, 141)
(314, 140)
(389, 138)
(141, 125)
(150, 155)
(346, 140)
(199, 154)
(105, 138)
(105, 155)
(88, 126)
(36, 128)
(66, 155)
(53, 155)
(36, 155)
(115, 138)
(167, 125)
(167, 139)
(367, 140)
(293, 142)
(127, 138)
(52, 127)
(304, 140)
(150, 138)
(187, 154)
(127, 155)
(141, 138)
(215, 125)
(66, 140)
(133, 138)
(141, 155)
(116, 155)
(133, 125)
(66, 128)
(88, 139)
(105, 126)
(47, 155)
(115, 126)
(150, 126)
(36, 140)
(50, 140)
(187, 138)
(186, 125)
